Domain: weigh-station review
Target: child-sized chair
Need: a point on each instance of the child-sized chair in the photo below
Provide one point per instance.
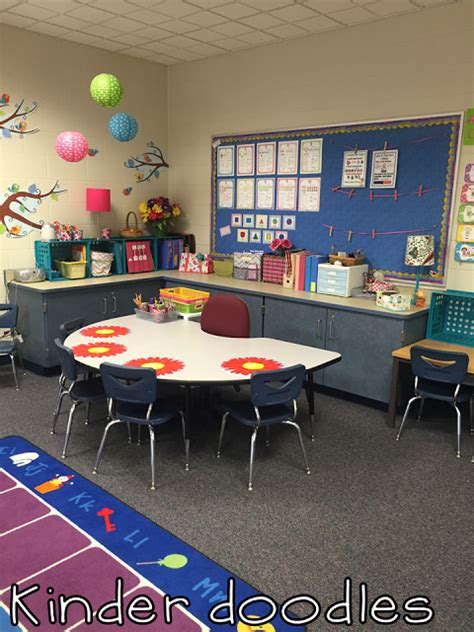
(270, 394)
(132, 398)
(8, 347)
(438, 375)
(226, 315)
(87, 391)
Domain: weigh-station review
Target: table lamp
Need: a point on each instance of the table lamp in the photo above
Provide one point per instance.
(419, 253)
(98, 200)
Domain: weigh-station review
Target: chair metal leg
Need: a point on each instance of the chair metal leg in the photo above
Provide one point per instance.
(12, 360)
(20, 360)
(252, 457)
(102, 443)
(413, 399)
(152, 456)
(267, 441)
(221, 434)
(420, 411)
(458, 416)
(471, 413)
(139, 434)
(57, 410)
(300, 437)
(88, 412)
(69, 427)
(129, 429)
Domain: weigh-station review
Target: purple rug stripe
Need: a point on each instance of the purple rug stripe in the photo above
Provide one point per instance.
(29, 549)
(17, 507)
(6, 482)
(91, 574)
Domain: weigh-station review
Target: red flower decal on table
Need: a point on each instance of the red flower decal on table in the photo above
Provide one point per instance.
(247, 366)
(98, 349)
(105, 331)
(162, 366)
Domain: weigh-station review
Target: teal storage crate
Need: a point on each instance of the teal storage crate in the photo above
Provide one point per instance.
(48, 252)
(451, 317)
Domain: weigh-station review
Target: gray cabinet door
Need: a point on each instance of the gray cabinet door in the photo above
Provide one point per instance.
(296, 322)
(121, 296)
(91, 304)
(366, 343)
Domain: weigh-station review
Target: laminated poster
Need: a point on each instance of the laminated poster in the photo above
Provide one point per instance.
(354, 169)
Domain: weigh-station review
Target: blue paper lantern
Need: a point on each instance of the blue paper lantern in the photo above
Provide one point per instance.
(123, 126)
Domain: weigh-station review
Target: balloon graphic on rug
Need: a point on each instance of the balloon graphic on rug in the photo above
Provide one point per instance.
(72, 146)
(123, 126)
(262, 627)
(174, 561)
(106, 90)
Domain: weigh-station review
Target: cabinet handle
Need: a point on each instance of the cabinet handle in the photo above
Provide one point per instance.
(114, 303)
(105, 305)
(332, 329)
(320, 328)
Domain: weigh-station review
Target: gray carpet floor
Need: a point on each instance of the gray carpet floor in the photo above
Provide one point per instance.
(397, 516)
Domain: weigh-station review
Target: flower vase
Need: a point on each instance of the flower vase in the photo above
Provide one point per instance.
(158, 231)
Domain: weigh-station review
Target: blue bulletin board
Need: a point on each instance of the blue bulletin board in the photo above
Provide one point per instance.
(360, 186)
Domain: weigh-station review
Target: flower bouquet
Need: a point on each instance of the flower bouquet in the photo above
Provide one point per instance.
(158, 214)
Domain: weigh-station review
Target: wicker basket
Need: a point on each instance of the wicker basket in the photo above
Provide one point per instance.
(347, 261)
(128, 231)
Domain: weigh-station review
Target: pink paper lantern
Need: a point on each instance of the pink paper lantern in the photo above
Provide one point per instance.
(72, 146)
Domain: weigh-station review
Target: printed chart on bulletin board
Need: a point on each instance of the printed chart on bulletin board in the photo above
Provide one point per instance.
(364, 186)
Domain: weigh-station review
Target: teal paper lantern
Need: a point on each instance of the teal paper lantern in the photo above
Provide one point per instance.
(106, 90)
(123, 126)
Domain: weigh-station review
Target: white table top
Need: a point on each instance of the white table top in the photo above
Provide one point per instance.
(202, 354)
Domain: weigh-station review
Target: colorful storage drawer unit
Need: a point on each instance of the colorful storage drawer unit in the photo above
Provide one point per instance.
(451, 317)
(186, 300)
(340, 280)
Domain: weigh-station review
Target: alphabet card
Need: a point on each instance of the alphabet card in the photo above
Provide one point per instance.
(466, 214)
(282, 234)
(465, 232)
(256, 236)
(267, 236)
(467, 193)
(236, 219)
(469, 173)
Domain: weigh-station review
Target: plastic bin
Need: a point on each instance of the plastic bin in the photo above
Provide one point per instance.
(72, 269)
(451, 317)
(186, 300)
(157, 317)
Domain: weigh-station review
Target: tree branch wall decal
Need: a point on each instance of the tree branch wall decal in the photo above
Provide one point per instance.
(147, 165)
(15, 123)
(18, 205)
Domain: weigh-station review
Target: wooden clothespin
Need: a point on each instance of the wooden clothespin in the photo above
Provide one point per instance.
(385, 145)
(373, 233)
(356, 149)
(331, 229)
(349, 236)
(420, 190)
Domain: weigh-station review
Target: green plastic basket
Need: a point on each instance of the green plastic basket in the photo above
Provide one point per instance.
(451, 317)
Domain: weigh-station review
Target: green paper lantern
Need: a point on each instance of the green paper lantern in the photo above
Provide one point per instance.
(106, 90)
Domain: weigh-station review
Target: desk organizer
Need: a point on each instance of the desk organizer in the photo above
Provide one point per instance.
(340, 280)
(451, 317)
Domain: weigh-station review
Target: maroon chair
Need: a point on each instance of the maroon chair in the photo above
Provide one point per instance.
(226, 315)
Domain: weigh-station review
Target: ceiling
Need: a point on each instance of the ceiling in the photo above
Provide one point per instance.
(175, 31)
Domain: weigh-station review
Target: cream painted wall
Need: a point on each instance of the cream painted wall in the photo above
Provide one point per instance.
(57, 74)
(402, 66)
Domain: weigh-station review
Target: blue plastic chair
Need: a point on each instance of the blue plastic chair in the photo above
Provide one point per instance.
(8, 321)
(273, 397)
(438, 375)
(69, 327)
(86, 391)
(132, 398)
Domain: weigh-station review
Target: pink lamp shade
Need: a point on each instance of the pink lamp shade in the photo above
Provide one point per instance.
(98, 200)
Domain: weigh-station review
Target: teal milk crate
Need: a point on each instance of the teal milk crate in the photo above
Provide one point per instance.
(48, 252)
(451, 318)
